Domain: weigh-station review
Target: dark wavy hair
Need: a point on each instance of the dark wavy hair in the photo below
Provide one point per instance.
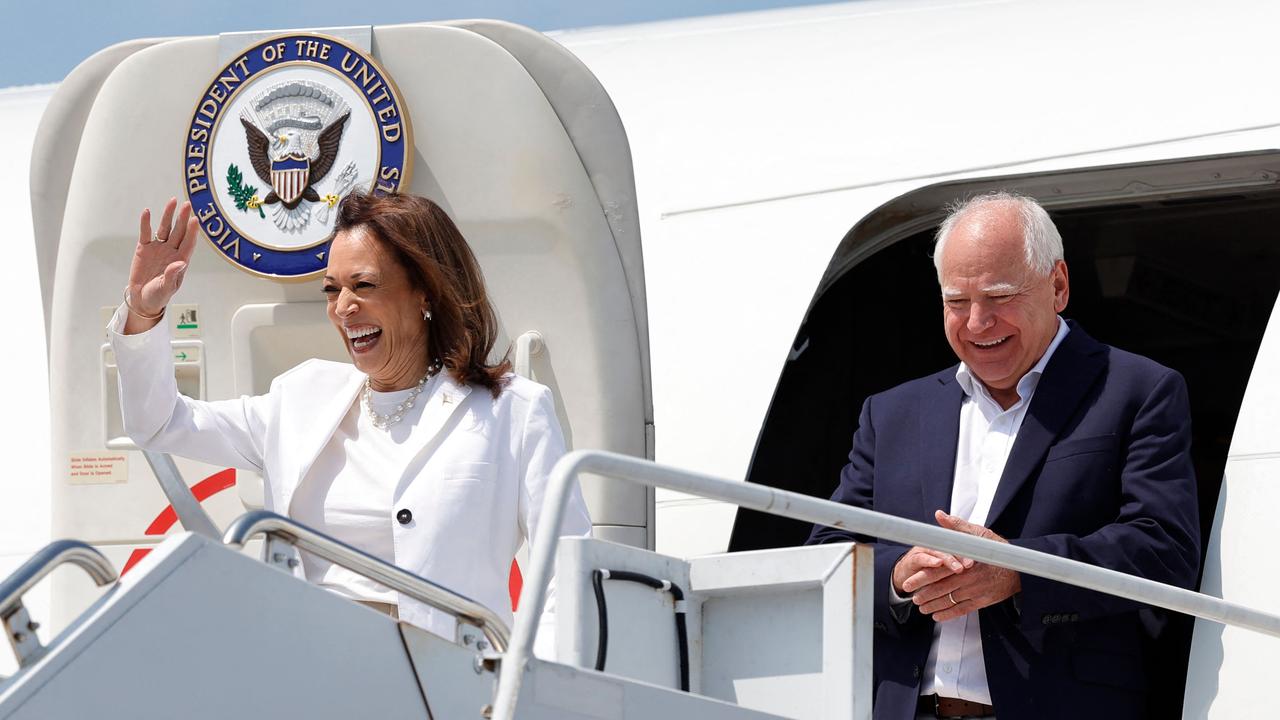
(426, 243)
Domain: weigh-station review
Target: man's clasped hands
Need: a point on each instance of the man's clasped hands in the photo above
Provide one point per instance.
(946, 587)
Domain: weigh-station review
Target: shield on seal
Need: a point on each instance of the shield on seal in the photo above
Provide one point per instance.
(289, 176)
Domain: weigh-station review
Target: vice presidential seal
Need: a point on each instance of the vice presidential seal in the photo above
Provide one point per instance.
(282, 133)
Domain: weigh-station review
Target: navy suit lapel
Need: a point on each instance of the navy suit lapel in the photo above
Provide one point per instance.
(939, 436)
(1066, 380)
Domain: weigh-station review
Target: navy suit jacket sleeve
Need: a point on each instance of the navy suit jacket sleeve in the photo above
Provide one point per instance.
(1100, 472)
(1155, 533)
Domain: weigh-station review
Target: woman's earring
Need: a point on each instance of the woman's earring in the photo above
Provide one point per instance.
(426, 315)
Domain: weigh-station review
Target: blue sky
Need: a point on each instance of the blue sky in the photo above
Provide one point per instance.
(44, 39)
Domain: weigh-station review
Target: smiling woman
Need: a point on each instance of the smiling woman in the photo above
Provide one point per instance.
(422, 454)
(403, 281)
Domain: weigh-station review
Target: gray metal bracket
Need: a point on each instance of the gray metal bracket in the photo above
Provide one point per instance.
(280, 553)
(190, 513)
(20, 629)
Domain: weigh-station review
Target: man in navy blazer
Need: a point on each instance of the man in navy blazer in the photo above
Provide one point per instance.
(1041, 437)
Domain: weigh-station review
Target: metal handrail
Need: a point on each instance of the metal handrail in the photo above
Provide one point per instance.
(824, 512)
(46, 560)
(264, 522)
(184, 503)
(19, 627)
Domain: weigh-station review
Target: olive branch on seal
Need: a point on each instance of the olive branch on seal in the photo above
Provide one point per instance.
(246, 196)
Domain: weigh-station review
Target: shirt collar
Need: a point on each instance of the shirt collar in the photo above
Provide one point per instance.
(1027, 383)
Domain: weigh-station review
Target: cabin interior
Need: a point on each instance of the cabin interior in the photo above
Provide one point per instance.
(1189, 283)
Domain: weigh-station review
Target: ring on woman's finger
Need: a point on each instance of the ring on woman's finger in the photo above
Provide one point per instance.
(155, 237)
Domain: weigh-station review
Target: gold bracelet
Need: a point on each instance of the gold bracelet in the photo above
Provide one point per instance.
(135, 311)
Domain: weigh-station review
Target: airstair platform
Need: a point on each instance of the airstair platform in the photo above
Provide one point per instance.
(200, 629)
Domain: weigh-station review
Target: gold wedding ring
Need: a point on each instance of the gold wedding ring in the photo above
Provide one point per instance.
(155, 237)
(952, 598)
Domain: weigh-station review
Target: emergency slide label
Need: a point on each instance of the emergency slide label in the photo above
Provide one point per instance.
(92, 468)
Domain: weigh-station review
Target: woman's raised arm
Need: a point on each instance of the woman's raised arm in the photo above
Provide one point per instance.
(159, 263)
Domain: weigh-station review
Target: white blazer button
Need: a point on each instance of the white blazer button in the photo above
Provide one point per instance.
(404, 517)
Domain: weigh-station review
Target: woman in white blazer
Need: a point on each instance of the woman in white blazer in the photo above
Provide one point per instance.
(421, 452)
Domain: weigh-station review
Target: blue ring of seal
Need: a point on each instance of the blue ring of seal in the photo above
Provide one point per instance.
(392, 173)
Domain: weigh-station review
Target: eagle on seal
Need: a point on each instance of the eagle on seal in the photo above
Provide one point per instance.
(286, 166)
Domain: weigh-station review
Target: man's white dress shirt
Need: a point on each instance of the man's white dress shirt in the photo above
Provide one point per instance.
(955, 668)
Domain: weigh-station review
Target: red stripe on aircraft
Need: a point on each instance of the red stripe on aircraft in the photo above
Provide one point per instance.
(167, 518)
(514, 584)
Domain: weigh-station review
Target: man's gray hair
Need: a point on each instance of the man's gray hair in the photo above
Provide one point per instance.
(1039, 234)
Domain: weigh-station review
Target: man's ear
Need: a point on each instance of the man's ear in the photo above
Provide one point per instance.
(1061, 286)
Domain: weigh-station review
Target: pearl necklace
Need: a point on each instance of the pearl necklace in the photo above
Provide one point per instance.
(384, 422)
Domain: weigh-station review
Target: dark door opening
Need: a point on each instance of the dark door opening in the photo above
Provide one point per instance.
(1189, 283)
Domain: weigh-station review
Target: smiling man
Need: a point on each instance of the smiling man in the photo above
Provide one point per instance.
(1041, 437)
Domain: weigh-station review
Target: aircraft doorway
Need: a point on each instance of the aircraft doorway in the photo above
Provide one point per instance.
(1189, 284)
(1188, 279)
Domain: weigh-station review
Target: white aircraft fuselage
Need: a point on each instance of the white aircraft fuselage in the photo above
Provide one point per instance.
(789, 167)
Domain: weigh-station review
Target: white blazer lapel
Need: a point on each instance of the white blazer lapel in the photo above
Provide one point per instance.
(329, 412)
(444, 402)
